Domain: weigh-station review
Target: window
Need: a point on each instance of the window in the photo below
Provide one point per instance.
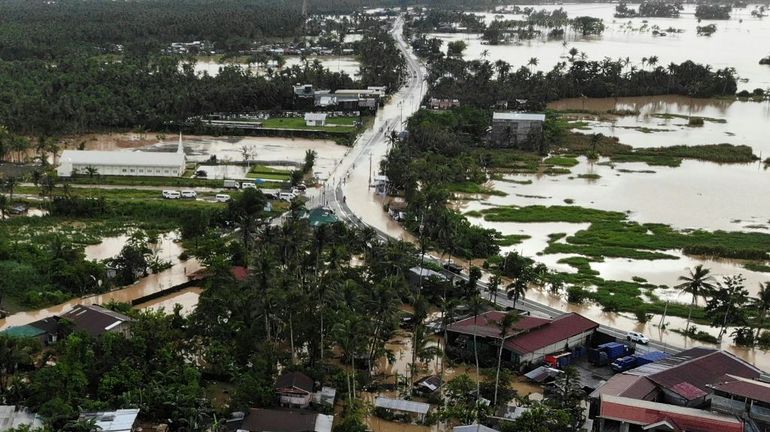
(132, 170)
(165, 171)
(124, 170)
(141, 170)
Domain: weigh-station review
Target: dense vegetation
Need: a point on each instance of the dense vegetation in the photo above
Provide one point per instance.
(713, 11)
(649, 9)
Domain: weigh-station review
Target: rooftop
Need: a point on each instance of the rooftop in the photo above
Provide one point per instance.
(747, 388)
(401, 405)
(473, 428)
(121, 420)
(518, 116)
(487, 324)
(101, 157)
(10, 417)
(559, 329)
(315, 116)
(23, 332)
(94, 320)
(274, 420)
(296, 380)
(647, 413)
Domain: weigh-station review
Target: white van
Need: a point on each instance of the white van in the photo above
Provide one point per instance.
(232, 184)
(222, 197)
(171, 194)
(245, 185)
(189, 194)
(286, 196)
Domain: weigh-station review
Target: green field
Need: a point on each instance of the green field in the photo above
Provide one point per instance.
(333, 124)
(268, 173)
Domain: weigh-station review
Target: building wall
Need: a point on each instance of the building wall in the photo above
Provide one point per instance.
(65, 170)
(517, 134)
(539, 355)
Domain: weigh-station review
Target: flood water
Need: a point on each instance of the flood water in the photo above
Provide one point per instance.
(736, 42)
(167, 249)
(187, 298)
(738, 122)
(346, 64)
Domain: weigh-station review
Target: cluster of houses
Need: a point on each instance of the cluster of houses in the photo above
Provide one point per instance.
(93, 320)
(366, 100)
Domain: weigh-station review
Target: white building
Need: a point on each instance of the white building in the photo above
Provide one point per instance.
(123, 163)
(315, 119)
(12, 418)
(122, 420)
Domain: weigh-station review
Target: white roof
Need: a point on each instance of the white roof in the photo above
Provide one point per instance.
(401, 405)
(315, 116)
(323, 423)
(121, 420)
(137, 158)
(11, 418)
(518, 116)
(473, 428)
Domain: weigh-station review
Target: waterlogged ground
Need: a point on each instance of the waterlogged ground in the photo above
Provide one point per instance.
(346, 64)
(736, 42)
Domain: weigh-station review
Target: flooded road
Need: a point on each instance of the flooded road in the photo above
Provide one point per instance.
(735, 43)
(187, 298)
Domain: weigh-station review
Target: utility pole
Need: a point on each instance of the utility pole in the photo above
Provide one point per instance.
(370, 170)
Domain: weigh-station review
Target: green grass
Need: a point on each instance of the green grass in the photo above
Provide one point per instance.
(757, 267)
(562, 161)
(589, 176)
(612, 235)
(334, 124)
(667, 116)
(473, 188)
(146, 181)
(511, 239)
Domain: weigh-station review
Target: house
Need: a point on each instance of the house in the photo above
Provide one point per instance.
(632, 415)
(315, 119)
(443, 104)
(529, 341)
(517, 130)
(415, 410)
(123, 163)
(294, 389)
(95, 320)
(684, 379)
(304, 91)
(274, 420)
(12, 417)
(122, 420)
(428, 384)
(742, 397)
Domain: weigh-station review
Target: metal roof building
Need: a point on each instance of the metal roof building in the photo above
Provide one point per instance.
(404, 406)
(122, 420)
(517, 116)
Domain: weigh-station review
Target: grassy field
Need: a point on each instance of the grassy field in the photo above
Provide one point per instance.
(334, 124)
(268, 173)
(473, 188)
(146, 181)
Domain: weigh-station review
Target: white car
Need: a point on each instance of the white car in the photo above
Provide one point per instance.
(189, 194)
(171, 194)
(286, 196)
(245, 185)
(222, 198)
(637, 337)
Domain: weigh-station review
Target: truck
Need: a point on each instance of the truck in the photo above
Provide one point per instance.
(560, 360)
(231, 184)
(623, 364)
(607, 353)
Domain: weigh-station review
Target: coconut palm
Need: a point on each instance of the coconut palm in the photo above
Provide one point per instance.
(699, 284)
(762, 302)
(505, 325)
(518, 288)
(476, 306)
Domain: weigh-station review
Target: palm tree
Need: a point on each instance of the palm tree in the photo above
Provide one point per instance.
(506, 325)
(518, 288)
(699, 284)
(493, 286)
(762, 302)
(476, 305)
(532, 62)
(3, 205)
(485, 53)
(9, 185)
(572, 53)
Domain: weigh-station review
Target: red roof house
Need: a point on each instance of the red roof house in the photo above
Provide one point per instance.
(618, 413)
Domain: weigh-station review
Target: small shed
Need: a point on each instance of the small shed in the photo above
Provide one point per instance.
(294, 389)
(315, 119)
(413, 409)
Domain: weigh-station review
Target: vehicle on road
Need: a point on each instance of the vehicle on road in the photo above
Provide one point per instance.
(222, 198)
(171, 194)
(245, 185)
(452, 267)
(189, 194)
(286, 196)
(231, 184)
(201, 173)
(637, 337)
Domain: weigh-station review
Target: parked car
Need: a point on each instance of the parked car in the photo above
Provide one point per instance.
(286, 196)
(201, 173)
(245, 185)
(637, 337)
(454, 268)
(222, 197)
(189, 194)
(301, 187)
(231, 184)
(171, 194)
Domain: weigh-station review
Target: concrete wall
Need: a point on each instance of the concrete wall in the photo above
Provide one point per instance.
(539, 355)
(517, 134)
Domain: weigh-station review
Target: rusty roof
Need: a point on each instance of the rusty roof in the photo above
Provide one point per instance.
(487, 324)
(748, 388)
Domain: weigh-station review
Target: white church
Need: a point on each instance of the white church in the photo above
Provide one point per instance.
(123, 163)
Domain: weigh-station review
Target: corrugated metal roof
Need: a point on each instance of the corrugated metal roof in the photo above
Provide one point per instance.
(23, 331)
(561, 328)
(473, 428)
(748, 388)
(645, 413)
(121, 420)
(138, 158)
(487, 324)
(315, 116)
(518, 116)
(401, 405)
